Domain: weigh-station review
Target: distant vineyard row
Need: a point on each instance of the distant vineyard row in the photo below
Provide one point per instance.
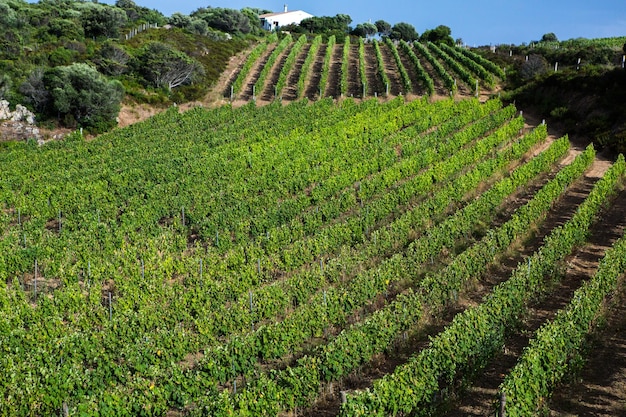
(294, 68)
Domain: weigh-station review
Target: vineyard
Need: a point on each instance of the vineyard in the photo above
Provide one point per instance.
(292, 69)
(351, 258)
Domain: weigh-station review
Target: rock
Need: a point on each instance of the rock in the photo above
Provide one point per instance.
(19, 124)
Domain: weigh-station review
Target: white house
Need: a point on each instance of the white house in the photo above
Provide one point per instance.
(272, 21)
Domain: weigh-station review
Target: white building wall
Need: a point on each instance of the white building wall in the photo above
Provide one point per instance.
(273, 21)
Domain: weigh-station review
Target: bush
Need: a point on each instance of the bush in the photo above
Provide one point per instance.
(533, 66)
(80, 95)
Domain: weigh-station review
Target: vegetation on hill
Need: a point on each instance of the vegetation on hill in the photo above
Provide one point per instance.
(122, 45)
(577, 84)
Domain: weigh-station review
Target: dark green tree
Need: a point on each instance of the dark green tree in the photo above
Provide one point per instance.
(533, 66)
(364, 30)
(404, 31)
(140, 14)
(83, 97)
(163, 66)
(179, 20)
(441, 34)
(227, 20)
(326, 24)
(383, 28)
(549, 37)
(198, 26)
(103, 22)
(112, 59)
(65, 29)
(253, 17)
(34, 90)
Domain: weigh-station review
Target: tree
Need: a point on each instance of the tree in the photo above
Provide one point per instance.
(103, 22)
(80, 95)
(164, 66)
(137, 13)
(383, 28)
(364, 30)
(549, 37)
(8, 16)
(112, 59)
(404, 31)
(179, 20)
(198, 26)
(226, 20)
(253, 17)
(441, 34)
(326, 24)
(34, 90)
(65, 29)
(533, 66)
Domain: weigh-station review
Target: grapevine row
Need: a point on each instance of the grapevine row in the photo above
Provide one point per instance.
(380, 66)
(475, 67)
(330, 47)
(475, 335)
(548, 358)
(254, 55)
(422, 75)
(260, 82)
(345, 67)
(448, 81)
(289, 63)
(357, 344)
(455, 66)
(485, 63)
(308, 61)
(404, 75)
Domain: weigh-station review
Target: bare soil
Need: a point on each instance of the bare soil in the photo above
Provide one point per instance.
(417, 87)
(334, 73)
(312, 83)
(374, 83)
(355, 84)
(392, 71)
(254, 74)
(291, 89)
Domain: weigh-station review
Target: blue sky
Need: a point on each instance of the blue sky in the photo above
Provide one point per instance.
(477, 23)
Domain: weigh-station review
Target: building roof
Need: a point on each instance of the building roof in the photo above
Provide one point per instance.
(280, 13)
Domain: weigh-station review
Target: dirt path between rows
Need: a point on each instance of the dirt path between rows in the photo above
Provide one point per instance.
(600, 387)
(312, 82)
(393, 72)
(333, 87)
(481, 398)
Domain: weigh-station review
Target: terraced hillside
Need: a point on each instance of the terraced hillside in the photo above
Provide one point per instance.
(293, 69)
(319, 258)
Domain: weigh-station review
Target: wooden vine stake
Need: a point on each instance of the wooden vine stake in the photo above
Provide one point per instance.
(35, 279)
(201, 280)
(503, 405)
